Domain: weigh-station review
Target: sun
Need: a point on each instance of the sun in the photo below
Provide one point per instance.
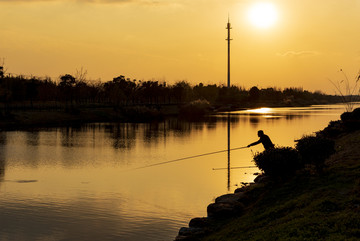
(262, 15)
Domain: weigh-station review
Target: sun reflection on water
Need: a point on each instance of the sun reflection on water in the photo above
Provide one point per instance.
(263, 110)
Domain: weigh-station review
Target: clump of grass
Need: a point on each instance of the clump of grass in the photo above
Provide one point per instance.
(314, 150)
(349, 93)
(351, 119)
(197, 108)
(278, 162)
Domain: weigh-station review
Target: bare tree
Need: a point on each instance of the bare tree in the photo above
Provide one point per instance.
(81, 74)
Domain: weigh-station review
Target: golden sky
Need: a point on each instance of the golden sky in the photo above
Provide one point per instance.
(173, 40)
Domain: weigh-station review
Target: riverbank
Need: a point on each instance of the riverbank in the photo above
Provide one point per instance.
(38, 118)
(23, 117)
(310, 206)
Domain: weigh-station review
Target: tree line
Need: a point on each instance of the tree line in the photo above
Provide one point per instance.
(71, 91)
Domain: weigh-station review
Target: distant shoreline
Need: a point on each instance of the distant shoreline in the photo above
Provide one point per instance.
(36, 102)
(25, 118)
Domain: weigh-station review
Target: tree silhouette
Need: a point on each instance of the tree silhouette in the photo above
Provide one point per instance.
(67, 85)
(31, 90)
(181, 91)
(254, 94)
(121, 92)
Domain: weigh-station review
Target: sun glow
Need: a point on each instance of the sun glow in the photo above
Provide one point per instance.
(262, 15)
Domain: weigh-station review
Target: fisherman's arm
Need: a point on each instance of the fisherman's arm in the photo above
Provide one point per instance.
(254, 143)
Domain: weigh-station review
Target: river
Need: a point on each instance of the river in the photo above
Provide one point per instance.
(128, 181)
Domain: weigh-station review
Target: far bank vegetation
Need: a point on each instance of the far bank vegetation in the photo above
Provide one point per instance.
(71, 92)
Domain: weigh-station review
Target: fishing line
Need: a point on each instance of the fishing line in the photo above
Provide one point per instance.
(225, 168)
(189, 157)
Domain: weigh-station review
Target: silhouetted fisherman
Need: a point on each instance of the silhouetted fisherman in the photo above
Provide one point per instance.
(264, 139)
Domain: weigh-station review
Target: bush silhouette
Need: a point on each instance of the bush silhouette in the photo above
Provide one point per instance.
(315, 149)
(195, 108)
(278, 162)
(351, 119)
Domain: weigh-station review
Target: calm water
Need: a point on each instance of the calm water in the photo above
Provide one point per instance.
(82, 183)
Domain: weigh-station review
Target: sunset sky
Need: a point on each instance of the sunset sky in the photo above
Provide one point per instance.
(307, 43)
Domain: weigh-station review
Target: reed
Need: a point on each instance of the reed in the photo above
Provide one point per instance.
(348, 92)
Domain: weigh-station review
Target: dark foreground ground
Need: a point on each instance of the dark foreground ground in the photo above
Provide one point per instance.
(309, 207)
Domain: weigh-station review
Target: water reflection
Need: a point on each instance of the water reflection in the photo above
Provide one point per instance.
(255, 120)
(2, 168)
(70, 136)
(74, 183)
(2, 156)
(32, 138)
(154, 131)
(122, 135)
(228, 140)
(89, 218)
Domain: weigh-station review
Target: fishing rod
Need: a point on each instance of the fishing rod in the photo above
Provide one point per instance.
(189, 157)
(225, 168)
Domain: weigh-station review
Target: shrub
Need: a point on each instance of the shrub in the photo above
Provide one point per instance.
(195, 108)
(334, 129)
(278, 162)
(315, 150)
(351, 119)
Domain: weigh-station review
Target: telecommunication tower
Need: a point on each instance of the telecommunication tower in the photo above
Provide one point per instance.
(228, 27)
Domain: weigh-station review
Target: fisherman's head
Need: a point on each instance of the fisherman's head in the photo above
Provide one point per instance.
(260, 133)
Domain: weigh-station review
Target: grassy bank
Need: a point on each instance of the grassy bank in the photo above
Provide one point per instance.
(307, 207)
(28, 118)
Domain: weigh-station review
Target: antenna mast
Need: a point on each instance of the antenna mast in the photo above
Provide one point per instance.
(228, 27)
